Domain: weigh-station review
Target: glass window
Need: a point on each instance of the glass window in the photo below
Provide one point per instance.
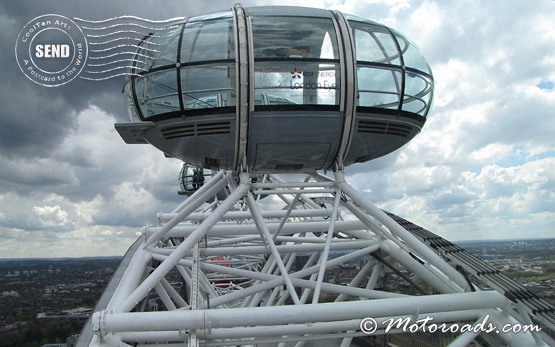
(294, 37)
(296, 61)
(379, 87)
(411, 54)
(165, 43)
(418, 93)
(144, 57)
(157, 93)
(208, 40)
(352, 18)
(211, 16)
(128, 93)
(374, 44)
(208, 86)
(207, 69)
(297, 82)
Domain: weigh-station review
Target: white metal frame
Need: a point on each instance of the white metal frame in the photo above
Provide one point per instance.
(263, 227)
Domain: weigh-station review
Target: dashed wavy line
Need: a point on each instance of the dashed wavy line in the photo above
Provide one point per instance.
(130, 24)
(120, 46)
(124, 31)
(131, 17)
(118, 39)
(121, 53)
(114, 69)
(107, 78)
(116, 62)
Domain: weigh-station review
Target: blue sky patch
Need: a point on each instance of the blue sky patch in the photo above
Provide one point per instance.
(546, 85)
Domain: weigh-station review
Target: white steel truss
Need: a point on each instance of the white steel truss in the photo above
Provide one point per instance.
(251, 260)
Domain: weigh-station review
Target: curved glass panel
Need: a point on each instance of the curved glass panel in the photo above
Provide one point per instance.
(296, 61)
(130, 102)
(208, 86)
(208, 40)
(412, 56)
(379, 87)
(352, 17)
(375, 44)
(293, 37)
(298, 82)
(145, 56)
(193, 177)
(157, 93)
(418, 93)
(378, 47)
(209, 16)
(165, 42)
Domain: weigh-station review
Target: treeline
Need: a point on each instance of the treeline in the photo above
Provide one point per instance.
(40, 332)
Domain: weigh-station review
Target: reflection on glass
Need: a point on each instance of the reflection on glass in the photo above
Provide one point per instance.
(157, 93)
(412, 56)
(128, 92)
(193, 177)
(165, 43)
(208, 86)
(382, 74)
(293, 37)
(418, 93)
(296, 60)
(206, 68)
(379, 87)
(299, 82)
(208, 40)
(375, 44)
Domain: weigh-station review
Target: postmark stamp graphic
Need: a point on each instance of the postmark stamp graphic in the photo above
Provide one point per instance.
(51, 50)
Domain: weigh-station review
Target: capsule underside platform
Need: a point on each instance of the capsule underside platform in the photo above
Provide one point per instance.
(277, 89)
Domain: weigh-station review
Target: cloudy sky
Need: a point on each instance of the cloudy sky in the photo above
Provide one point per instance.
(482, 168)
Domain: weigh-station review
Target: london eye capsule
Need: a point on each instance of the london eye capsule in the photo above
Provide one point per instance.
(191, 177)
(277, 89)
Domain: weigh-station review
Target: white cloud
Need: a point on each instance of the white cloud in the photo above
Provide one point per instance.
(51, 215)
(497, 202)
(483, 166)
(427, 17)
(105, 191)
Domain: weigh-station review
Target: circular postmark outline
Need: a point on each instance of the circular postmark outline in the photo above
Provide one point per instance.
(23, 52)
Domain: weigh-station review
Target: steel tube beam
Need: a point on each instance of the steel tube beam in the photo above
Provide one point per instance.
(222, 230)
(213, 187)
(199, 192)
(136, 271)
(406, 236)
(439, 281)
(293, 191)
(356, 280)
(283, 184)
(196, 216)
(265, 234)
(327, 327)
(326, 253)
(297, 314)
(144, 288)
(249, 250)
